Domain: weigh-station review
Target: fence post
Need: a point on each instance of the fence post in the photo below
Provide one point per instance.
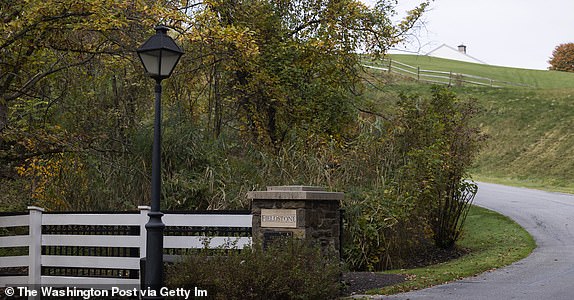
(35, 246)
(390, 64)
(418, 73)
(144, 210)
(143, 220)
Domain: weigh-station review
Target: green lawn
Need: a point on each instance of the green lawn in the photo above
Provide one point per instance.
(493, 240)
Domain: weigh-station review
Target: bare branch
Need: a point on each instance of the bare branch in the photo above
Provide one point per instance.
(305, 25)
(33, 26)
(36, 78)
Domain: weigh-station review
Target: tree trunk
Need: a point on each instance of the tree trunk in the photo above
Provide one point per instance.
(3, 115)
(272, 125)
(217, 105)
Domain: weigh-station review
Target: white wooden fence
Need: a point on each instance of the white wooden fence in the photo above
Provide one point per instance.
(35, 240)
(440, 77)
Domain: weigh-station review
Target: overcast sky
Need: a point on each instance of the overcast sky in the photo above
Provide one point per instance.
(515, 33)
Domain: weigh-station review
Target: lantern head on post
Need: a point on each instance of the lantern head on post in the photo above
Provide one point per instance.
(159, 54)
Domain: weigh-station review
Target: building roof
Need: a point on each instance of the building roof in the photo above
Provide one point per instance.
(448, 52)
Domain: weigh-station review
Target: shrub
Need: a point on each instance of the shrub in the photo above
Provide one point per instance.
(439, 143)
(287, 269)
(418, 193)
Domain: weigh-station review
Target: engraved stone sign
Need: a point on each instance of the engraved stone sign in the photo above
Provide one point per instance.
(278, 218)
(302, 212)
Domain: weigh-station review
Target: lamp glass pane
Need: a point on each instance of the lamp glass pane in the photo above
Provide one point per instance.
(168, 61)
(150, 60)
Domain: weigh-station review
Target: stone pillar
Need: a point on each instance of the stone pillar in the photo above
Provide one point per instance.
(304, 212)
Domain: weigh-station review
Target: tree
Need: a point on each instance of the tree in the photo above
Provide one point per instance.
(70, 88)
(278, 68)
(41, 38)
(274, 71)
(563, 58)
(41, 41)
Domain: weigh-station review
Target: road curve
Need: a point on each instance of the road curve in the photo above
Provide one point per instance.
(548, 273)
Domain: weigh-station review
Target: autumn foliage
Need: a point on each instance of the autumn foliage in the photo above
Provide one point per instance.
(563, 58)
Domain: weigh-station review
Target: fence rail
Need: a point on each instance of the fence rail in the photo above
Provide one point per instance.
(99, 248)
(443, 77)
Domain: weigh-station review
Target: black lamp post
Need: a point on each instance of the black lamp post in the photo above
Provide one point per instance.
(159, 55)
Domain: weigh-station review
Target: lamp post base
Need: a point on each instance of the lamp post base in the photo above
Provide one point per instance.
(154, 255)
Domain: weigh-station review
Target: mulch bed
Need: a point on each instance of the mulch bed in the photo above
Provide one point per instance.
(360, 282)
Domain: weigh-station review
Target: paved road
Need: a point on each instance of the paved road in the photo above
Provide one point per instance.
(548, 273)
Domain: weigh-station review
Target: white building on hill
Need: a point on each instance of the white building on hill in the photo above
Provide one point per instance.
(448, 52)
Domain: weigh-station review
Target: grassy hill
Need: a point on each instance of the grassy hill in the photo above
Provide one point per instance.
(531, 130)
(536, 78)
